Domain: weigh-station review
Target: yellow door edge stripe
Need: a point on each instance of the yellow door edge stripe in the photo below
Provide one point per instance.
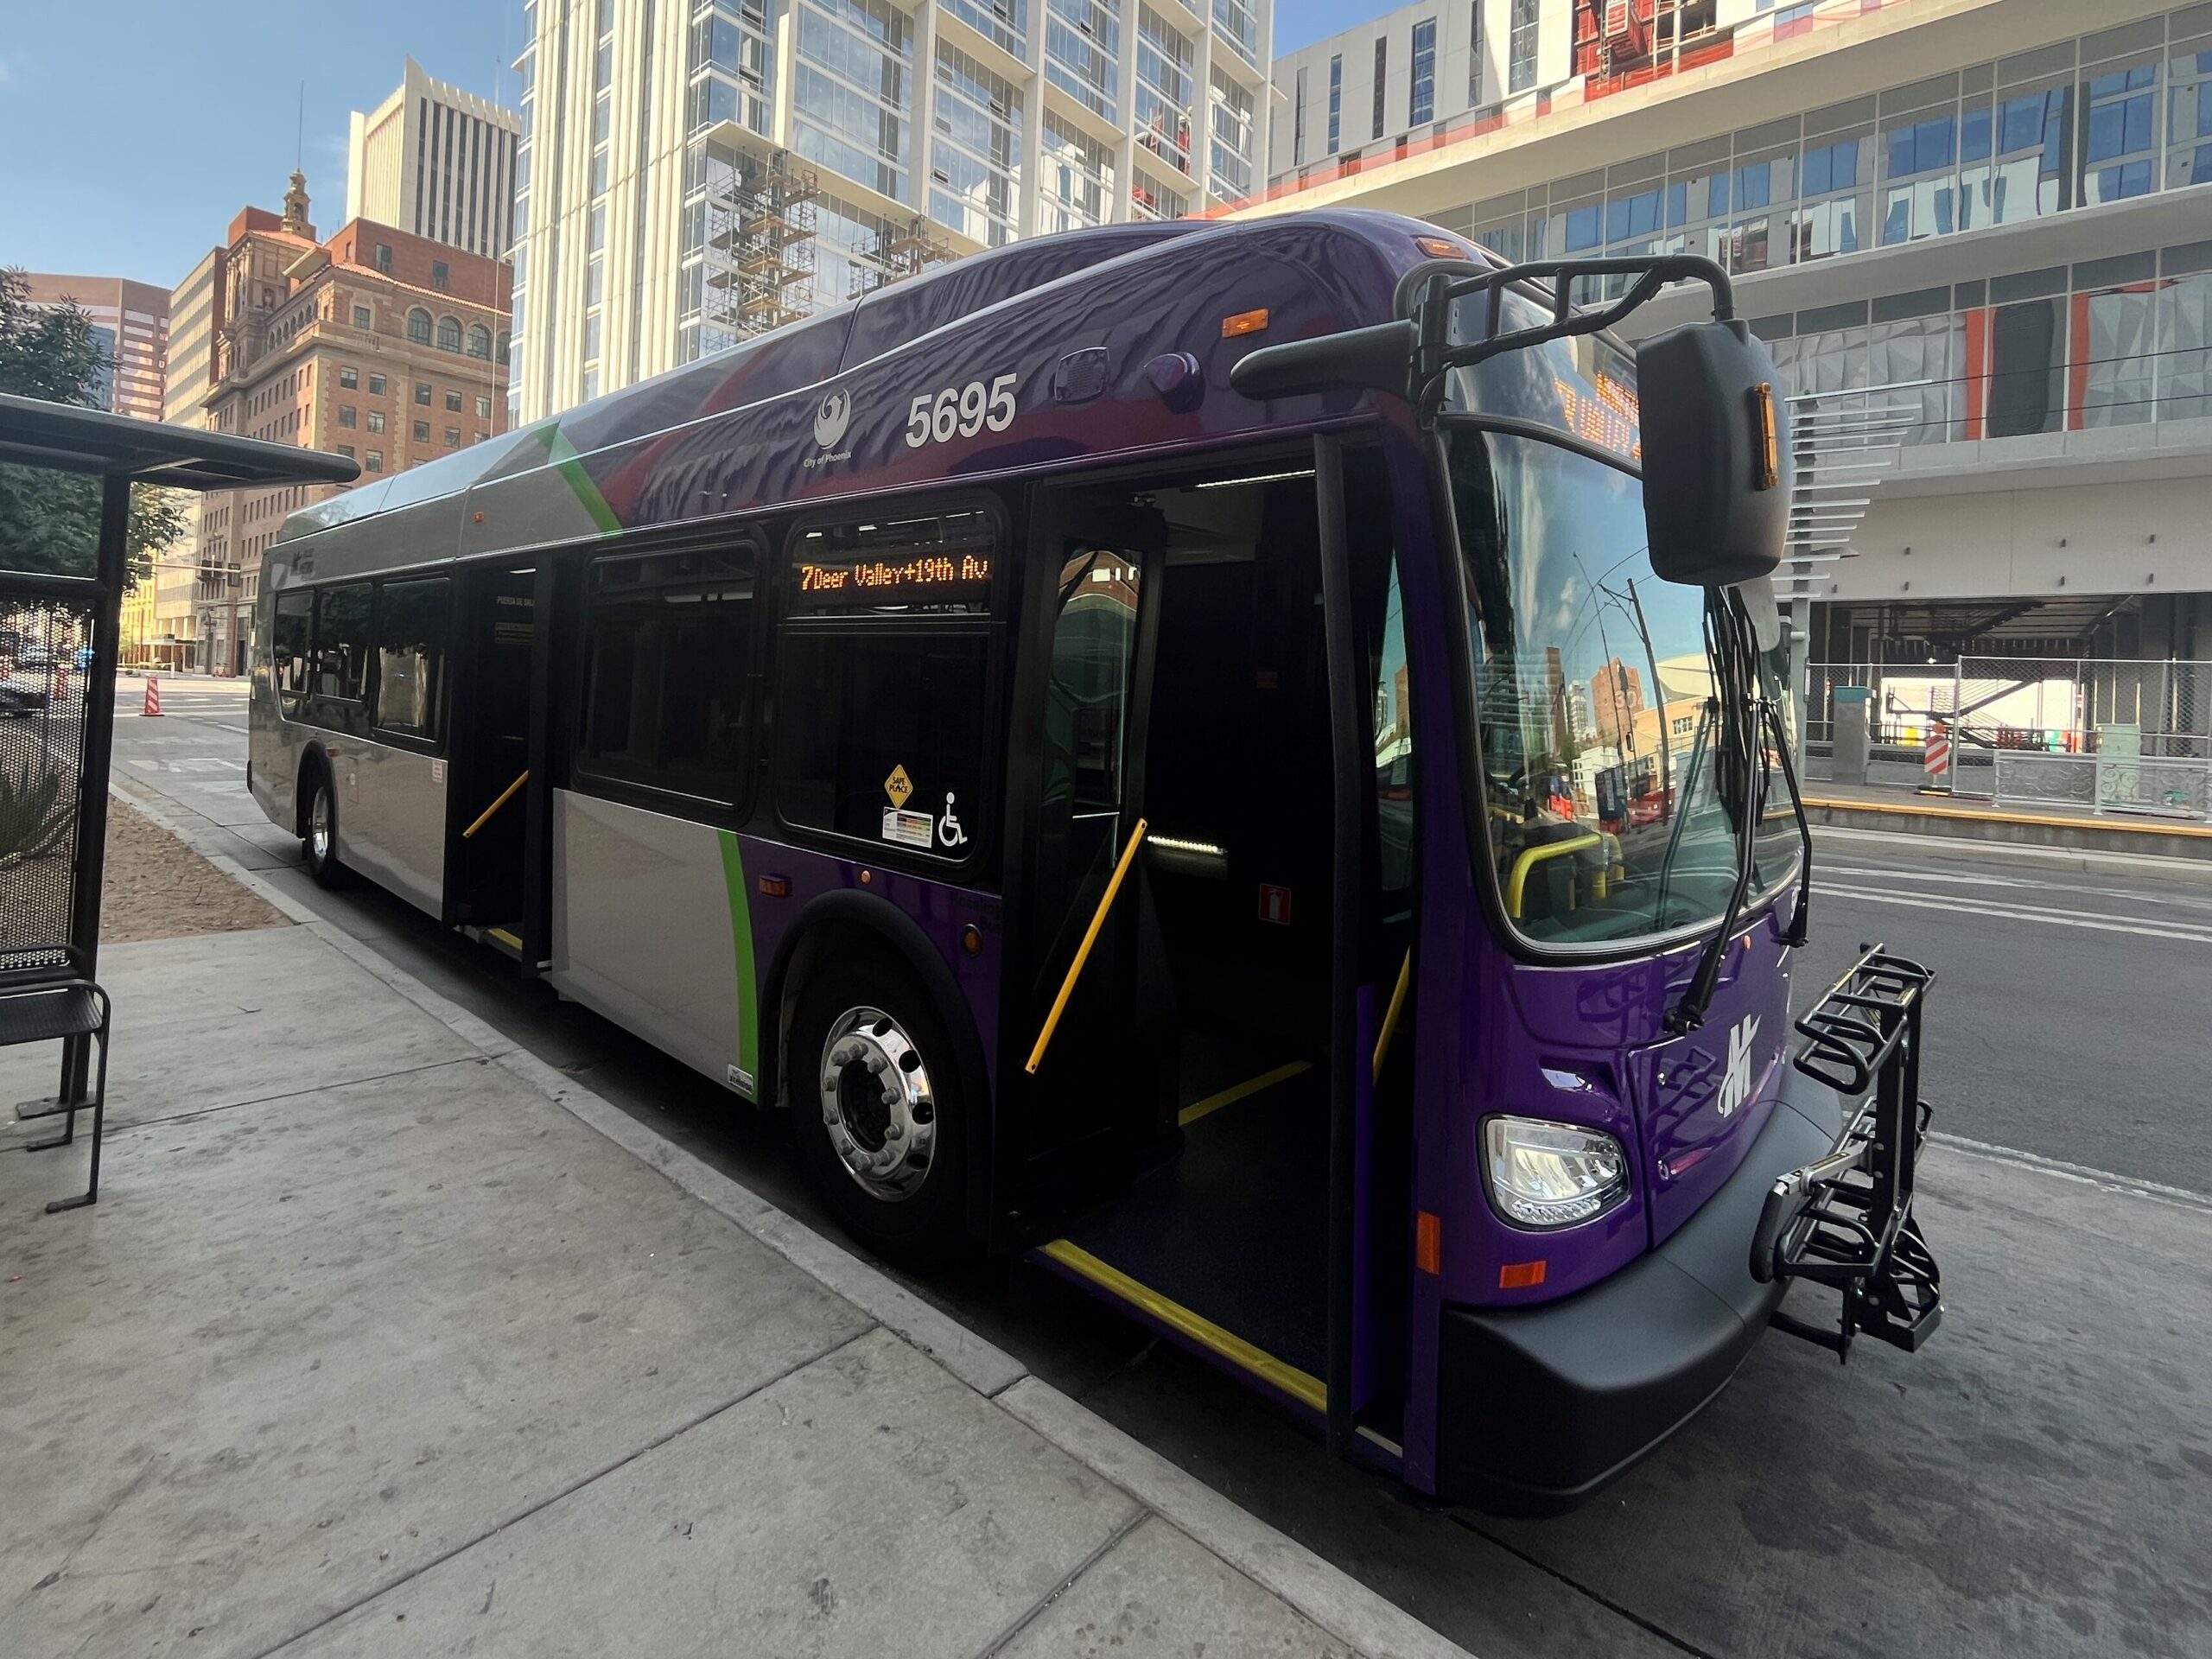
(1307, 1391)
(1230, 1096)
(503, 937)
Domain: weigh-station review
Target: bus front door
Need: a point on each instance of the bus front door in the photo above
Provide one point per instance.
(1090, 608)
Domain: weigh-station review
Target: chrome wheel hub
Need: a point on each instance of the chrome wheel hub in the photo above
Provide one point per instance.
(877, 1104)
(319, 824)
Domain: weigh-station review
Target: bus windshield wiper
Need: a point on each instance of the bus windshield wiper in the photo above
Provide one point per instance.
(1732, 646)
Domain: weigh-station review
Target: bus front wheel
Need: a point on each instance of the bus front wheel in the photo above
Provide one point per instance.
(877, 1110)
(319, 840)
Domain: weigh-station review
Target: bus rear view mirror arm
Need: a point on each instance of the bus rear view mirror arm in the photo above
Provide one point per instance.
(1377, 359)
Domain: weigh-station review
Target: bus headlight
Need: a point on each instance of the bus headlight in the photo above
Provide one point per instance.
(1544, 1174)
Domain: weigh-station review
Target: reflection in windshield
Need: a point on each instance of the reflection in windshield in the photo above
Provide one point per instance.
(1609, 801)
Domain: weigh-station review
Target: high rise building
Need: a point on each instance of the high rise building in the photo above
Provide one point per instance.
(131, 320)
(1993, 217)
(436, 162)
(693, 173)
(376, 344)
(173, 631)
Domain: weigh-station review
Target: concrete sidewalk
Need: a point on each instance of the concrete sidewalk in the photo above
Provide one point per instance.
(384, 1337)
(1965, 817)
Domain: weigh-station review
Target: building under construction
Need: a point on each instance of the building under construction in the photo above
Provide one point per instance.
(760, 231)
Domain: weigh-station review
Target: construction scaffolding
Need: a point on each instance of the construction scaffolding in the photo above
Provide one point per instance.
(759, 263)
(892, 254)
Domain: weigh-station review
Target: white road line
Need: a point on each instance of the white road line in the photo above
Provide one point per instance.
(1963, 879)
(2185, 934)
(2129, 1185)
(2198, 869)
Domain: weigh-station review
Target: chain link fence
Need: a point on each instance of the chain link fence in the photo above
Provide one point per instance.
(2151, 719)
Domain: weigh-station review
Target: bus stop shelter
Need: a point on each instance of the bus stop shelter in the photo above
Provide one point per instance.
(60, 639)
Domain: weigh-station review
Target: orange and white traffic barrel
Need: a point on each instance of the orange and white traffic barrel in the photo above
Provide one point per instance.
(153, 696)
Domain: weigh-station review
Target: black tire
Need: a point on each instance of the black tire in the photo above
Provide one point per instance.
(319, 843)
(927, 1223)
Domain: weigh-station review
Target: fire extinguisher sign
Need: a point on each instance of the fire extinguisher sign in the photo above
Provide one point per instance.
(1274, 904)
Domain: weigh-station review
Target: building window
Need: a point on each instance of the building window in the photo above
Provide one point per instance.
(440, 275)
(453, 437)
(1298, 122)
(422, 431)
(346, 414)
(383, 257)
(347, 450)
(449, 334)
(499, 355)
(376, 385)
(418, 326)
(375, 420)
(453, 401)
(1381, 73)
(364, 318)
(1420, 107)
(1336, 101)
(1521, 47)
(480, 341)
(483, 406)
(422, 393)
(348, 377)
(1475, 52)
(375, 461)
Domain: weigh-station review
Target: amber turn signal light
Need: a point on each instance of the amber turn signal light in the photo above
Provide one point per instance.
(1245, 323)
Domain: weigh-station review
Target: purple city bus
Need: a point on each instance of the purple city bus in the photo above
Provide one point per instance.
(1249, 763)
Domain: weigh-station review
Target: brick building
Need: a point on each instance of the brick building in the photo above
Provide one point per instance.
(376, 344)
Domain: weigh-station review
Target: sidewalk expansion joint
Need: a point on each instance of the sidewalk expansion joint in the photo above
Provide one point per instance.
(118, 1129)
(573, 1487)
(1113, 1541)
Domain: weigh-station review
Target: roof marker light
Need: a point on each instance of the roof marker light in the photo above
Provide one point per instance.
(1439, 247)
(1245, 323)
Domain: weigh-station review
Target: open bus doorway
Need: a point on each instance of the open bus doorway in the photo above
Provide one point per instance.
(496, 620)
(1191, 684)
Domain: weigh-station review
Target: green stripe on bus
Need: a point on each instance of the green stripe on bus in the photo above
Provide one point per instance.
(741, 932)
(569, 462)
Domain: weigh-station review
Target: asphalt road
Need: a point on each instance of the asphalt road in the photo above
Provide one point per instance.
(2036, 1480)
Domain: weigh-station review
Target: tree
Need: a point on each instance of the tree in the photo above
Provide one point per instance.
(49, 521)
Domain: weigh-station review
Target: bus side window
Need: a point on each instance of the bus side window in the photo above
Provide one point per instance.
(667, 647)
(411, 657)
(883, 682)
(289, 642)
(337, 684)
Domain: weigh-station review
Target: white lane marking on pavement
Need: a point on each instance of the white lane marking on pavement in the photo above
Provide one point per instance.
(2129, 1185)
(2185, 934)
(2198, 869)
(1963, 879)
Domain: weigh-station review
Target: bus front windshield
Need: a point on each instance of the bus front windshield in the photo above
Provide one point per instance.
(1611, 800)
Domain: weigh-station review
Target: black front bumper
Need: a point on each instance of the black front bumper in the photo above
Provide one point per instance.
(1538, 1407)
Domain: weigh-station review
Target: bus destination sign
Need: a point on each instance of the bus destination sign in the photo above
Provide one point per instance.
(951, 580)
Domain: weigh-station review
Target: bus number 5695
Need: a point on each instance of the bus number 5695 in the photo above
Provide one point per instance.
(963, 410)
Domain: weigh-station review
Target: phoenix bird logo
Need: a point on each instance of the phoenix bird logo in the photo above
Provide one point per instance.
(832, 418)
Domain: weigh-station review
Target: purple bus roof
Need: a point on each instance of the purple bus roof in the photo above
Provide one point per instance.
(1084, 271)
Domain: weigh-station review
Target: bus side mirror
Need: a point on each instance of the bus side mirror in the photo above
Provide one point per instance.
(1715, 433)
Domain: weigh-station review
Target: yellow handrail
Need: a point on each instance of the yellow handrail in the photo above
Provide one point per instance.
(1390, 1018)
(1516, 884)
(484, 816)
(1082, 951)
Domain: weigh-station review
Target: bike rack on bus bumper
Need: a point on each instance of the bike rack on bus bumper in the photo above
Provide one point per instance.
(1846, 1220)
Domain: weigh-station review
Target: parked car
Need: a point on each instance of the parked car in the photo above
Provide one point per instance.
(17, 697)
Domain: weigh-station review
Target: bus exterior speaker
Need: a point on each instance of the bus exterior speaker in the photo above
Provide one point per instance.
(1716, 428)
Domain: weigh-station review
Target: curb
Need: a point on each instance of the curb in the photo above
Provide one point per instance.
(1325, 1595)
(2191, 842)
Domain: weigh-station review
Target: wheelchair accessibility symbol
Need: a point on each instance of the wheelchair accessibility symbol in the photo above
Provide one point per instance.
(948, 832)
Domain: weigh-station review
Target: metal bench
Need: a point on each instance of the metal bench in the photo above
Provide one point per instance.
(75, 1009)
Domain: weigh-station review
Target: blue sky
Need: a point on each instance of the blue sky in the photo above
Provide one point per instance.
(132, 131)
